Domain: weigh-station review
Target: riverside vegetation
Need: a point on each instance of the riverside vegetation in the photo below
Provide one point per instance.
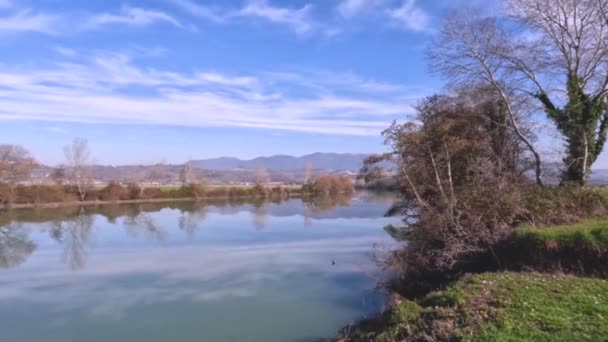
(73, 183)
(35, 195)
(490, 250)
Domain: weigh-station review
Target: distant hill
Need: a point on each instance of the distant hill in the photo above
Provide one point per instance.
(318, 161)
(226, 170)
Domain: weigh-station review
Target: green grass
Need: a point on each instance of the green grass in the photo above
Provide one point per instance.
(536, 307)
(593, 233)
(499, 307)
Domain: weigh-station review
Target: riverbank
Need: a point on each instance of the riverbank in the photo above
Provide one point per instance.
(568, 301)
(53, 196)
(505, 306)
(33, 196)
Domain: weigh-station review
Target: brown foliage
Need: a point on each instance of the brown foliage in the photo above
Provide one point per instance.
(465, 191)
(462, 171)
(114, 192)
(329, 185)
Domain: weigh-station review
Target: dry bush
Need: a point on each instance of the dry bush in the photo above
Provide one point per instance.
(114, 192)
(42, 194)
(462, 170)
(329, 185)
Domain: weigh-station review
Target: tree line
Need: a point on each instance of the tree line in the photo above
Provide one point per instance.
(73, 181)
(469, 165)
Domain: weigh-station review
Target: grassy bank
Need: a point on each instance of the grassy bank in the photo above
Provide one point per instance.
(589, 234)
(513, 306)
(580, 248)
(498, 307)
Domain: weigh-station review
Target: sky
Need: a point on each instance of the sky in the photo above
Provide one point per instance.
(171, 80)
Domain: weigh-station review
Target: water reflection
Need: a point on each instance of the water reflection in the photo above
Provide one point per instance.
(188, 271)
(72, 227)
(74, 234)
(15, 246)
(143, 224)
(190, 220)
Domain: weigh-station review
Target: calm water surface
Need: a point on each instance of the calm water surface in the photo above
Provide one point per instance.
(289, 271)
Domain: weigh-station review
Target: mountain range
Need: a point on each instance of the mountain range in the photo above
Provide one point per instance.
(227, 170)
(318, 161)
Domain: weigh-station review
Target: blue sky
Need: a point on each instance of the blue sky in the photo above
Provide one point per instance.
(170, 80)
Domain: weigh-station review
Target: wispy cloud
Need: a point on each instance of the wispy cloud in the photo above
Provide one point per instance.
(410, 16)
(98, 89)
(134, 16)
(65, 51)
(299, 19)
(199, 10)
(351, 8)
(56, 129)
(30, 21)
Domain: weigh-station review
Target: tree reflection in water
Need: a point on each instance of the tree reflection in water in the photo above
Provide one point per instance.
(138, 222)
(73, 227)
(260, 214)
(313, 206)
(15, 245)
(190, 218)
(74, 234)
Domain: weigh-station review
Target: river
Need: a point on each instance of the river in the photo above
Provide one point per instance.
(284, 271)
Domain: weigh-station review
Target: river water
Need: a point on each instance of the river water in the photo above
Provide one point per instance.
(288, 271)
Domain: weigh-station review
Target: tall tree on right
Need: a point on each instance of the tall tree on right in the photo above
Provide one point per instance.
(549, 55)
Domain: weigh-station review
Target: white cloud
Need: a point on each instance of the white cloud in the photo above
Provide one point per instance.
(298, 19)
(65, 51)
(199, 10)
(134, 16)
(410, 16)
(97, 89)
(29, 21)
(350, 8)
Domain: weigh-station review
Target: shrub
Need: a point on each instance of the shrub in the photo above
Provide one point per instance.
(197, 190)
(133, 191)
(114, 192)
(329, 185)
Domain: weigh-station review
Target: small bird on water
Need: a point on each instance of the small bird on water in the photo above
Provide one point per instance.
(333, 262)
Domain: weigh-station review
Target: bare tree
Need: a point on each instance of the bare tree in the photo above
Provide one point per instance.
(190, 177)
(261, 176)
(308, 172)
(78, 166)
(568, 59)
(16, 165)
(187, 173)
(58, 175)
(468, 53)
(148, 175)
(560, 61)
